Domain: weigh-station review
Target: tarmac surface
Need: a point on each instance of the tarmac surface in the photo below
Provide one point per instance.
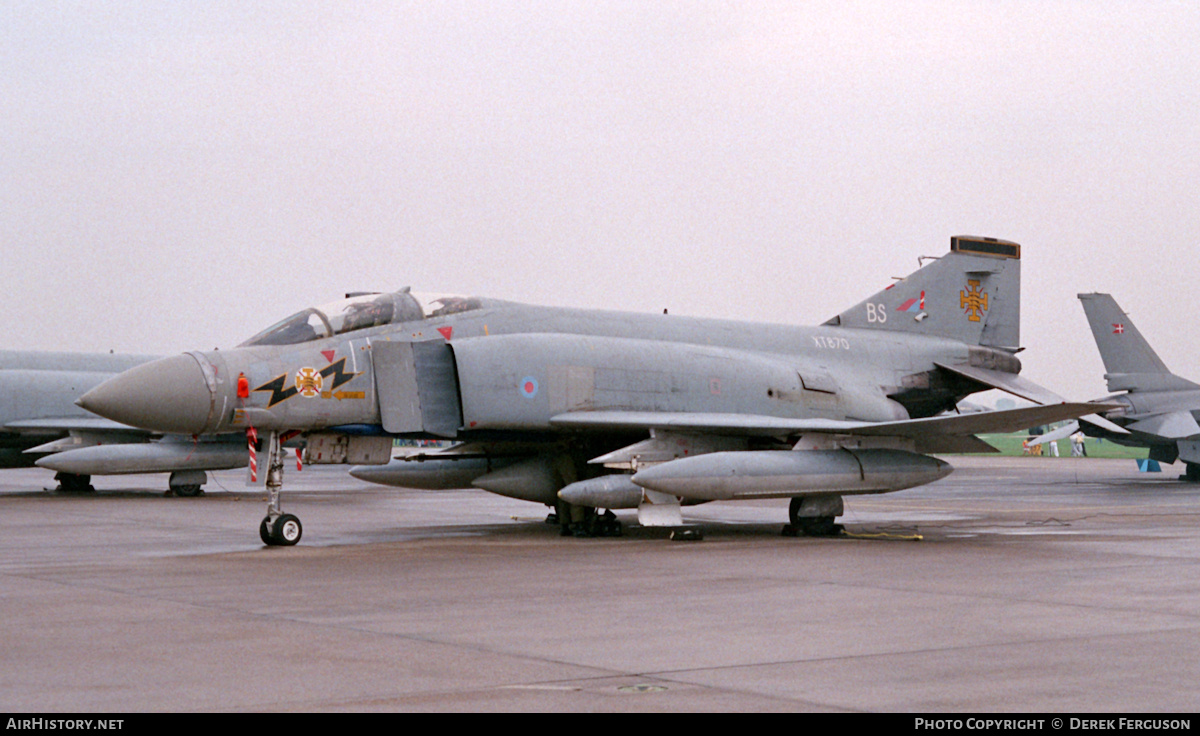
(1047, 585)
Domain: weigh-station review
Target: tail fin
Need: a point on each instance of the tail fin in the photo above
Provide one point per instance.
(1130, 363)
(972, 294)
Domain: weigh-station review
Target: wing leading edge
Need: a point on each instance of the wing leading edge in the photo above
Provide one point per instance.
(932, 434)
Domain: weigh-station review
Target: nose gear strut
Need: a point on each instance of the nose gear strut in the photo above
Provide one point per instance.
(277, 528)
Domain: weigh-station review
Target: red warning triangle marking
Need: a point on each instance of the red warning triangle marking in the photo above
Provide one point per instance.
(329, 354)
(446, 331)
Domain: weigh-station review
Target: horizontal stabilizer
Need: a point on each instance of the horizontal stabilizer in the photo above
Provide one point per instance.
(1175, 425)
(1008, 382)
(1102, 423)
(1023, 388)
(1148, 382)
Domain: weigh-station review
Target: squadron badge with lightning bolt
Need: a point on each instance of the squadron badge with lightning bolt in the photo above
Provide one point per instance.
(310, 383)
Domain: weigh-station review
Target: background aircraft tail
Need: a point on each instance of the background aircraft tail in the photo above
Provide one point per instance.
(1130, 363)
(972, 294)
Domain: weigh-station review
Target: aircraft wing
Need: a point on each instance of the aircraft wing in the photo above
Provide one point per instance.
(1008, 420)
(931, 434)
(476, 449)
(73, 424)
(732, 424)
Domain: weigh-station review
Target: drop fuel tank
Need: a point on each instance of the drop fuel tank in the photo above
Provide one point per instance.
(720, 476)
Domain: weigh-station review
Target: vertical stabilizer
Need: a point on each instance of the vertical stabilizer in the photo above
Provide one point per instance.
(1130, 364)
(972, 294)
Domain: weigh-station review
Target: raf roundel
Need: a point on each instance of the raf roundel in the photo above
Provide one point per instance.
(529, 387)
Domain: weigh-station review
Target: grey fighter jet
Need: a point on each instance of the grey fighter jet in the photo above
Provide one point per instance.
(584, 410)
(40, 424)
(1157, 408)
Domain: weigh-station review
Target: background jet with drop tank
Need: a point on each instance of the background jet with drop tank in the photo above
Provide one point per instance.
(40, 424)
(587, 409)
(1157, 409)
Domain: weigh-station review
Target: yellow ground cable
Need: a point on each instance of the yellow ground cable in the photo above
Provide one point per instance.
(885, 536)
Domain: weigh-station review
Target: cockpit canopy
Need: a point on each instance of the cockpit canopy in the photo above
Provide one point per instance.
(358, 312)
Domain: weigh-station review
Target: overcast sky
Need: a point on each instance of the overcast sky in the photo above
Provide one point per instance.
(178, 175)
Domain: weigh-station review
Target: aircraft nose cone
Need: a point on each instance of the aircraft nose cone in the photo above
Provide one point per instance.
(166, 395)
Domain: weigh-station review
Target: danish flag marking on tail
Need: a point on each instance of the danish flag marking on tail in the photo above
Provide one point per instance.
(1118, 329)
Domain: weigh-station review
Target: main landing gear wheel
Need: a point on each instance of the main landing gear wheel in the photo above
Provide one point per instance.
(285, 532)
(818, 526)
(597, 524)
(187, 483)
(813, 516)
(607, 524)
(72, 483)
(584, 521)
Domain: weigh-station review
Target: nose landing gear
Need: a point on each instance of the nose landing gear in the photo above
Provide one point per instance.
(277, 528)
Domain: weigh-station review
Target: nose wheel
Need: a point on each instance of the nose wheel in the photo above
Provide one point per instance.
(277, 529)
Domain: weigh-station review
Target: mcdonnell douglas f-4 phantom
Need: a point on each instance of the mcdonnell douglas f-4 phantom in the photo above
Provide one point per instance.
(587, 409)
